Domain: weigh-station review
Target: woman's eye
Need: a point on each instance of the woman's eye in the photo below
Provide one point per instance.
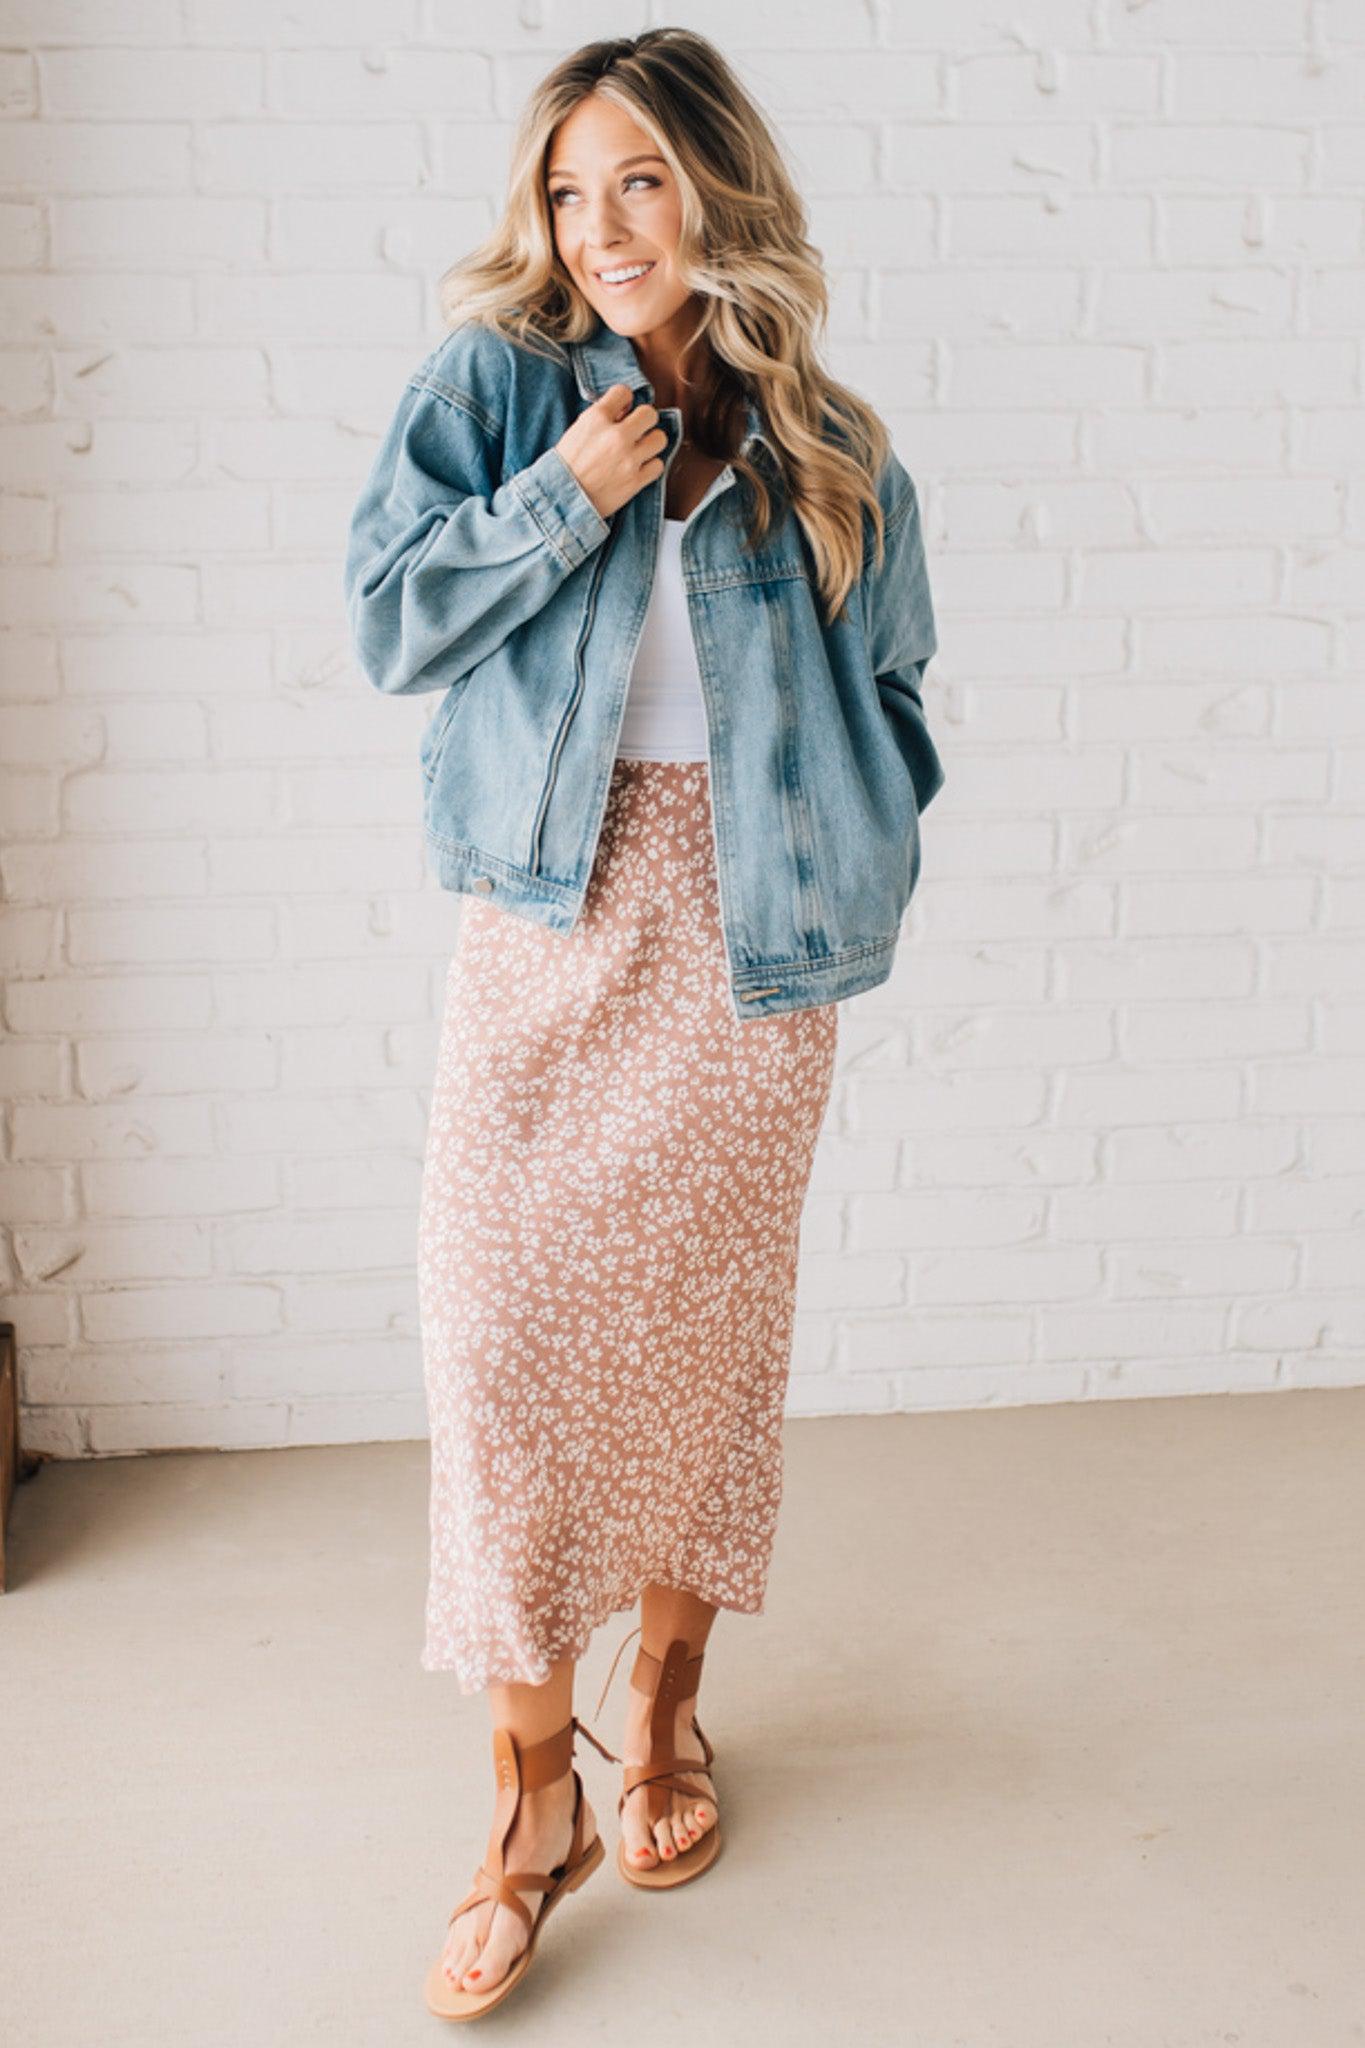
(635, 178)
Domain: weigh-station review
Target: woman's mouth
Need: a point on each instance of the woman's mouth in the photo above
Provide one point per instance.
(620, 277)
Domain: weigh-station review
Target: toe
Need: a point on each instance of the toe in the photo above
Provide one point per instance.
(639, 1842)
(663, 1840)
(494, 1959)
(703, 1816)
(682, 1833)
(459, 1960)
(462, 1947)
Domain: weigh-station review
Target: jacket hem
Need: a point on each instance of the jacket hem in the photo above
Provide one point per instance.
(769, 991)
(762, 989)
(462, 868)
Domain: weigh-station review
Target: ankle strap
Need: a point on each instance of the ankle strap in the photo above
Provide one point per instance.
(674, 1676)
(646, 1667)
(530, 1765)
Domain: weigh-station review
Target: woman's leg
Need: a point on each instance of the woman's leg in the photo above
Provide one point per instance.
(486, 1939)
(665, 1612)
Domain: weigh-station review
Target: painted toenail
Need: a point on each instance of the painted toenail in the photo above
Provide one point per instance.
(473, 1973)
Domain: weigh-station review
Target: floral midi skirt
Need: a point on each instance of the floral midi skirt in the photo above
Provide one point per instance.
(615, 1172)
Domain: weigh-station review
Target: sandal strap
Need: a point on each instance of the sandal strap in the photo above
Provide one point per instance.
(654, 1799)
(665, 1679)
(518, 1769)
(646, 1668)
(600, 1747)
(506, 1891)
(674, 1676)
(641, 1774)
(486, 1886)
(612, 1673)
(538, 1763)
(530, 1880)
(658, 1776)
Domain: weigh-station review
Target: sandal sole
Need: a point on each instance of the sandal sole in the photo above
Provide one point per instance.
(662, 1877)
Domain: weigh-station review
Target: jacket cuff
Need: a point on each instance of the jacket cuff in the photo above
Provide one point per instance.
(561, 508)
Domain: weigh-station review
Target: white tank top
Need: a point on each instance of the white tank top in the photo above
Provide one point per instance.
(665, 717)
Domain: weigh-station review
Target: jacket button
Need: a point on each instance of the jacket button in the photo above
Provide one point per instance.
(483, 883)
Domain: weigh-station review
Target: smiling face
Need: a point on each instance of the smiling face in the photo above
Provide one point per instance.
(616, 207)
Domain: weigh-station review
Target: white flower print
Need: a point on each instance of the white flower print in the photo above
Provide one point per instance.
(611, 1202)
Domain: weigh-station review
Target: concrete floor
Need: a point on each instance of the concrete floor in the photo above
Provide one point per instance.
(1051, 1737)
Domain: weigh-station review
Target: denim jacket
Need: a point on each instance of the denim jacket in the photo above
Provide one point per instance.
(478, 566)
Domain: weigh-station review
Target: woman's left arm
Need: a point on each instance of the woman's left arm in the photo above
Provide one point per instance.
(901, 638)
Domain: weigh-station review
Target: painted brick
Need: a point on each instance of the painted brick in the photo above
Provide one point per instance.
(1097, 266)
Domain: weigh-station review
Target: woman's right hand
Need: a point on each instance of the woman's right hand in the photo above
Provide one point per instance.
(613, 448)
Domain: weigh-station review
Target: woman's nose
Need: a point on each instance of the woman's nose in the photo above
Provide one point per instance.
(602, 231)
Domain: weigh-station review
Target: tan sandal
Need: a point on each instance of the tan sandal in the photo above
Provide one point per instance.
(518, 1769)
(674, 1676)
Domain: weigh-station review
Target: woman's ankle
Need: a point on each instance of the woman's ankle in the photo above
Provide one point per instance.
(542, 1799)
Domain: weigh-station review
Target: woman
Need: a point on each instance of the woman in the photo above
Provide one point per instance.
(677, 772)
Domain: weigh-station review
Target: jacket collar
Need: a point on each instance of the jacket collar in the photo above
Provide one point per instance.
(608, 358)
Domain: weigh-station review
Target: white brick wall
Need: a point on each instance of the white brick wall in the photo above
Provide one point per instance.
(1099, 262)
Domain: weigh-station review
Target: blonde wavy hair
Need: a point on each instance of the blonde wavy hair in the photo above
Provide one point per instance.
(743, 251)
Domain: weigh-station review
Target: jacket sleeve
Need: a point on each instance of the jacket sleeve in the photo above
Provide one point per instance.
(442, 560)
(901, 637)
